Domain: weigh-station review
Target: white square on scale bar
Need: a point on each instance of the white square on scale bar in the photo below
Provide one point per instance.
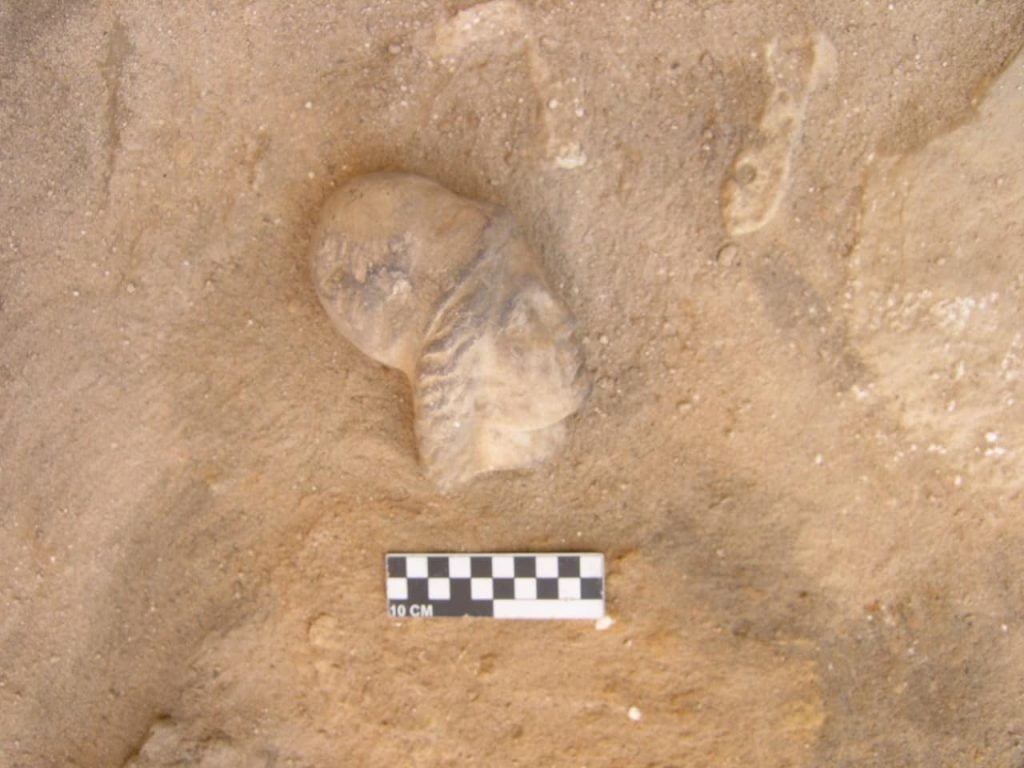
(416, 567)
(439, 588)
(591, 566)
(503, 567)
(398, 589)
(547, 566)
(481, 589)
(569, 588)
(526, 589)
(458, 566)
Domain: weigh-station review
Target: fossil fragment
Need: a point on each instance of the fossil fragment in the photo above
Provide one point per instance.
(447, 290)
(762, 171)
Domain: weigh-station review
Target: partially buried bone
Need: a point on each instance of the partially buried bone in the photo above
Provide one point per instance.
(446, 290)
(762, 171)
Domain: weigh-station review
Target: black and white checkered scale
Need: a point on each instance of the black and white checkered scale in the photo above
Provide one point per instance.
(503, 585)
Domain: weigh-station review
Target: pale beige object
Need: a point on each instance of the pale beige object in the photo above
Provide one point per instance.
(761, 171)
(447, 290)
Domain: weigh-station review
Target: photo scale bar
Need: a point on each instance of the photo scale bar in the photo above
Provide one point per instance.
(512, 585)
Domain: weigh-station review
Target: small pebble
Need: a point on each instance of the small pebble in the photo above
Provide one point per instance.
(634, 714)
(603, 623)
(571, 157)
(728, 254)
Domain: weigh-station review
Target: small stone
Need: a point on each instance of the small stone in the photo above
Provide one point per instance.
(728, 255)
(605, 622)
(323, 631)
(634, 714)
(571, 157)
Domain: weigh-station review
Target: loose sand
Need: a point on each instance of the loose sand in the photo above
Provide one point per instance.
(792, 234)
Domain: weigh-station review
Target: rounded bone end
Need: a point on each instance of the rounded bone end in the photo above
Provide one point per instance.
(447, 290)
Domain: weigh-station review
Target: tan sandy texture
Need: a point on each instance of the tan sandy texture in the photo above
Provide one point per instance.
(803, 454)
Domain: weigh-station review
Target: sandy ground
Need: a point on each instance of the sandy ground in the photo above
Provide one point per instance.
(803, 454)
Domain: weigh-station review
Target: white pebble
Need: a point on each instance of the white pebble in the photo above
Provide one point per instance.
(571, 157)
(603, 623)
(727, 254)
(634, 714)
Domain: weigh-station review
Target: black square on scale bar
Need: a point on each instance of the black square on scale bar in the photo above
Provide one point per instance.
(525, 567)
